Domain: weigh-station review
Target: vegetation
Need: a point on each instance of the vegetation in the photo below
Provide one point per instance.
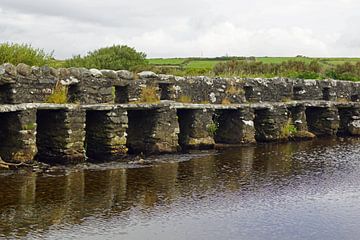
(23, 53)
(119, 57)
(184, 99)
(149, 94)
(116, 57)
(288, 130)
(212, 128)
(294, 67)
(59, 94)
(225, 101)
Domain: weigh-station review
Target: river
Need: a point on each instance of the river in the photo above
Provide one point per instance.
(307, 190)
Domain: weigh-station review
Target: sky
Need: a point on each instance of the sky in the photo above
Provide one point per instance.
(165, 28)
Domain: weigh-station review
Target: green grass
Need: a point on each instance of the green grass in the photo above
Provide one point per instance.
(166, 61)
(206, 63)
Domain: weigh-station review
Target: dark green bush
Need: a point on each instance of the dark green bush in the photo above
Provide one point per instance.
(115, 57)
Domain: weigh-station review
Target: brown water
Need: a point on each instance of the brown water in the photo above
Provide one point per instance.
(306, 190)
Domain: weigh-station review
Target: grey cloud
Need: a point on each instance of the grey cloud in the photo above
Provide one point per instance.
(164, 28)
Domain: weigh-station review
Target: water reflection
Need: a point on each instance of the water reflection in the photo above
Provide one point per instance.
(34, 204)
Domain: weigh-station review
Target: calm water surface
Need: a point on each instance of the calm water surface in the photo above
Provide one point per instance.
(306, 190)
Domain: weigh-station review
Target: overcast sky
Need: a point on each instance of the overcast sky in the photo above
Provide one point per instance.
(166, 28)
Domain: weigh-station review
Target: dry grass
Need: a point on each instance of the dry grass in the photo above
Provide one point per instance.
(149, 94)
(59, 94)
(225, 101)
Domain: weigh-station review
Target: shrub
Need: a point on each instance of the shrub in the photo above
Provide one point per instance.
(149, 94)
(59, 94)
(116, 57)
(24, 53)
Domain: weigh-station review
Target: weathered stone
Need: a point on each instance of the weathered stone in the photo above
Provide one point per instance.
(235, 126)
(2, 70)
(96, 73)
(153, 131)
(111, 74)
(18, 136)
(124, 74)
(354, 128)
(45, 70)
(60, 135)
(10, 69)
(147, 74)
(36, 71)
(197, 129)
(54, 72)
(23, 69)
(323, 120)
(303, 135)
(272, 124)
(106, 134)
(64, 73)
(75, 72)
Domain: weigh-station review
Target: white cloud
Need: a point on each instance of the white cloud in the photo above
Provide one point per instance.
(162, 28)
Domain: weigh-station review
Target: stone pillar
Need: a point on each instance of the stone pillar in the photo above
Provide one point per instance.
(349, 121)
(235, 126)
(106, 134)
(18, 136)
(272, 124)
(153, 131)
(61, 135)
(197, 128)
(298, 117)
(323, 121)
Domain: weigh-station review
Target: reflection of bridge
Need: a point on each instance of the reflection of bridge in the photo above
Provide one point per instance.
(65, 133)
(34, 202)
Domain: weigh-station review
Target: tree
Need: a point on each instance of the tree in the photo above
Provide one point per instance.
(116, 57)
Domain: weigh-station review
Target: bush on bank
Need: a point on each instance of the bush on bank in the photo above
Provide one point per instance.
(24, 53)
(116, 57)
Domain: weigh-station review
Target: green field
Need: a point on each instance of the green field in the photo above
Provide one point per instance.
(206, 63)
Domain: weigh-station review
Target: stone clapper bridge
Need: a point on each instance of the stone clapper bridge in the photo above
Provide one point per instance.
(105, 119)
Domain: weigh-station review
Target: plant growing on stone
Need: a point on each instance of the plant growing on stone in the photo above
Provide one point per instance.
(212, 128)
(149, 94)
(288, 130)
(59, 94)
(225, 101)
(184, 99)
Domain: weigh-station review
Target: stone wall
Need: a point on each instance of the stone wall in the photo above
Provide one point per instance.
(24, 84)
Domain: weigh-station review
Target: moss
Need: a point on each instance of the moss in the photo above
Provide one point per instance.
(184, 99)
(59, 94)
(342, 100)
(29, 126)
(286, 99)
(113, 92)
(212, 128)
